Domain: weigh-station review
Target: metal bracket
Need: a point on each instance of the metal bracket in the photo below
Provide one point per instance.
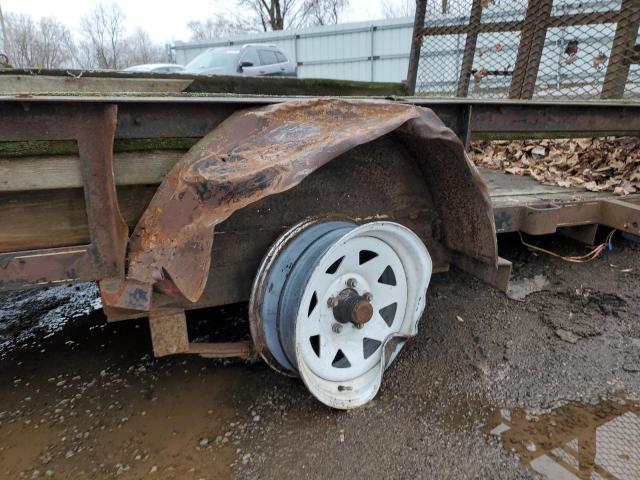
(544, 219)
(93, 127)
(169, 336)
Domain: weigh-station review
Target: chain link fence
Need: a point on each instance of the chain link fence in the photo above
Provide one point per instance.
(548, 49)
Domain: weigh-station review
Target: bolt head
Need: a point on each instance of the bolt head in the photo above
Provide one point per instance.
(368, 296)
(351, 283)
(331, 302)
(336, 327)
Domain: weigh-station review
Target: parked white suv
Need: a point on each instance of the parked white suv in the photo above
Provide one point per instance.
(254, 59)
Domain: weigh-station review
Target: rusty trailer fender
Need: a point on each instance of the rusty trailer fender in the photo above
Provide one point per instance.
(263, 151)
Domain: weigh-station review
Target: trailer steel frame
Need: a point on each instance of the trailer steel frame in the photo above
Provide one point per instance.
(94, 122)
(97, 122)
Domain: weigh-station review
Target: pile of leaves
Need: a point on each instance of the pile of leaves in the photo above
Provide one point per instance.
(596, 164)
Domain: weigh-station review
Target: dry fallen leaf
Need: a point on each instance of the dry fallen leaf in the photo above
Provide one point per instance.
(569, 59)
(596, 164)
(599, 61)
(479, 75)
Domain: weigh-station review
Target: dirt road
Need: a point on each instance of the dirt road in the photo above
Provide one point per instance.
(82, 399)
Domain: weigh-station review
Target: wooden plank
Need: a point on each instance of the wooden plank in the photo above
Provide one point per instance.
(74, 81)
(54, 218)
(508, 191)
(17, 84)
(63, 171)
(503, 184)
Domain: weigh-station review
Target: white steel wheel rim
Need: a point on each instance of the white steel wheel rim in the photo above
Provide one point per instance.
(351, 352)
(404, 252)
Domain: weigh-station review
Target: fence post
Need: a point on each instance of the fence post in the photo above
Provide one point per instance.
(469, 48)
(624, 42)
(534, 32)
(416, 44)
(373, 32)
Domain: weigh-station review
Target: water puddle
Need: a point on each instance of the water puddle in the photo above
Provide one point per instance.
(575, 441)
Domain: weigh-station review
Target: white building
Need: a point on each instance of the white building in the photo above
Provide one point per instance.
(367, 51)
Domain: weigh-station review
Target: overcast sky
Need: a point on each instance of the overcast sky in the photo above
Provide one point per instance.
(165, 20)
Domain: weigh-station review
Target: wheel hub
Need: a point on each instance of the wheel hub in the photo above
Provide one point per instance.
(352, 307)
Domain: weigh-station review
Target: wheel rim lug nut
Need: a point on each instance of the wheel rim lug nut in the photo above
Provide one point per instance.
(331, 302)
(368, 296)
(336, 327)
(351, 283)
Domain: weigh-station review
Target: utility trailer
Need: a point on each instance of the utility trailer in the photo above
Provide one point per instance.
(327, 214)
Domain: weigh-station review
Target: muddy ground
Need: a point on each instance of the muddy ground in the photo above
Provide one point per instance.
(82, 399)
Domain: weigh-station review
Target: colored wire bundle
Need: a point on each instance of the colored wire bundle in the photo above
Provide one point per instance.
(587, 257)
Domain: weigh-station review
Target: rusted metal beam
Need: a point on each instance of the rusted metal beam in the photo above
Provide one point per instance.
(549, 120)
(416, 46)
(109, 233)
(194, 117)
(542, 15)
(622, 215)
(546, 219)
(534, 31)
(469, 48)
(622, 51)
(35, 267)
(593, 18)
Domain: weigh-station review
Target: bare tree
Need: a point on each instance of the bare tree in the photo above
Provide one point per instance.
(21, 40)
(3, 33)
(103, 33)
(281, 14)
(326, 12)
(56, 47)
(271, 14)
(141, 49)
(44, 44)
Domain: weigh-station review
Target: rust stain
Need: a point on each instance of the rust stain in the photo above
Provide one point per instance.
(264, 151)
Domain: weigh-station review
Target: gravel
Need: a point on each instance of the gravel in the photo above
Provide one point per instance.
(85, 398)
